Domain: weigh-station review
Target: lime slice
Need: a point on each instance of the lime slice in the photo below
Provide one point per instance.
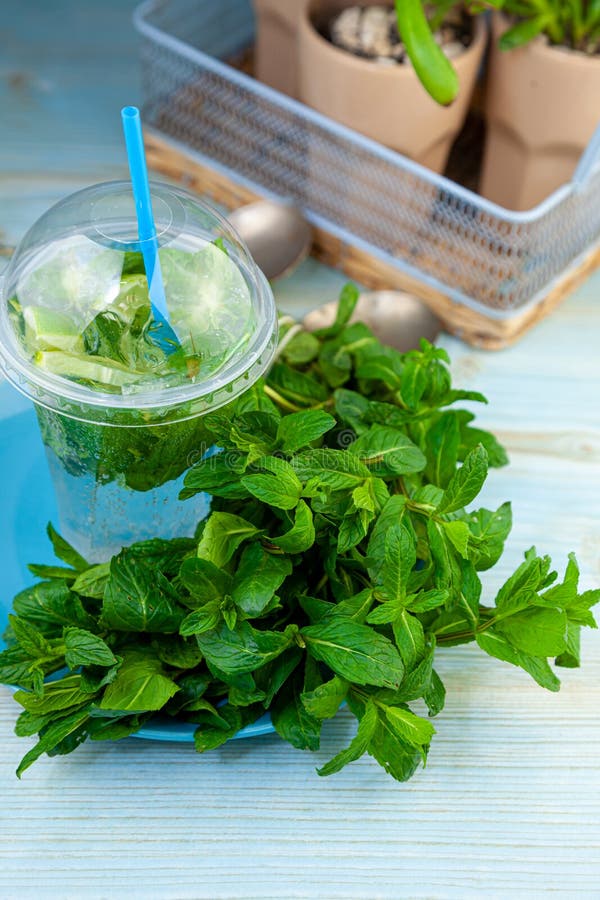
(104, 372)
(48, 329)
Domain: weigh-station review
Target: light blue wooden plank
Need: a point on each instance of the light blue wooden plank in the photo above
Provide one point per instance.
(66, 69)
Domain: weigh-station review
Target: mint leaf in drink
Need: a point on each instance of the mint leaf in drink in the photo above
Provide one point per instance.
(340, 553)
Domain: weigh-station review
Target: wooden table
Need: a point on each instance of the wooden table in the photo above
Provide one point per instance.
(509, 805)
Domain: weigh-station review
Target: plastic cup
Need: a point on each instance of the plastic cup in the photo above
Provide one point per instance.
(121, 420)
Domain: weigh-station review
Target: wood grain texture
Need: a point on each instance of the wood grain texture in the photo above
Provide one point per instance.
(509, 805)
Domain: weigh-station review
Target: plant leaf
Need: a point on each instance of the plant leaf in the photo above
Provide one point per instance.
(388, 452)
(359, 744)
(354, 652)
(140, 686)
(222, 535)
(82, 648)
(466, 483)
(302, 428)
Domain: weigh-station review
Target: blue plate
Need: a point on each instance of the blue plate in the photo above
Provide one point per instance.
(28, 506)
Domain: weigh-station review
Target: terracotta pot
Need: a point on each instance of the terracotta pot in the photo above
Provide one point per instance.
(276, 40)
(542, 108)
(386, 103)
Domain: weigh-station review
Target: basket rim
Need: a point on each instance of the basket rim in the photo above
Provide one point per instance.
(145, 9)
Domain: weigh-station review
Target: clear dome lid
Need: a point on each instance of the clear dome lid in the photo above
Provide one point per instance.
(81, 334)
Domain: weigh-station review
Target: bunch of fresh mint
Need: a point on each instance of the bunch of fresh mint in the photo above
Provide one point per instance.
(338, 556)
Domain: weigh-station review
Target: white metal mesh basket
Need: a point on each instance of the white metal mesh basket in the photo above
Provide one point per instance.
(476, 252)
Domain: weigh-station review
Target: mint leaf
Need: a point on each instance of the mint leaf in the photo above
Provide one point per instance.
(353, 529)
(388, 452)
(497, 645)
(458, 534)
(359, 744)
(204, 581)
(259, 576)
(442, 443)
(136, 599)
(296, 387)
(82, 648)
(52, 735)
(93, 581)
(292, 721)
(472, 437)
(409, 728)
(222, 535)
(354, 652)
(523, 585)
(302, 349)
(325, 700)
(538, 632)
(30, 638)
(396, 756)
(281, 491)
(347, 302)
(409, 636)
(204, 618)
(336, 469)
(447, 572)
(400, 556)
(466, 483)
(65, 551)
(58, 696)
(50, 604)
(301, 536)
(208, 737)
(302, 428)
(217, 475)
(489, 531)
(41, 571)
(391, 514)
(243, 649)
(140, 686)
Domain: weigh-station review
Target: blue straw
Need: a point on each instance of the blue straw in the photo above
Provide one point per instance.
(134, 142)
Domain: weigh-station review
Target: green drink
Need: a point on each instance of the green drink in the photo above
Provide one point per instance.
(121, 400)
